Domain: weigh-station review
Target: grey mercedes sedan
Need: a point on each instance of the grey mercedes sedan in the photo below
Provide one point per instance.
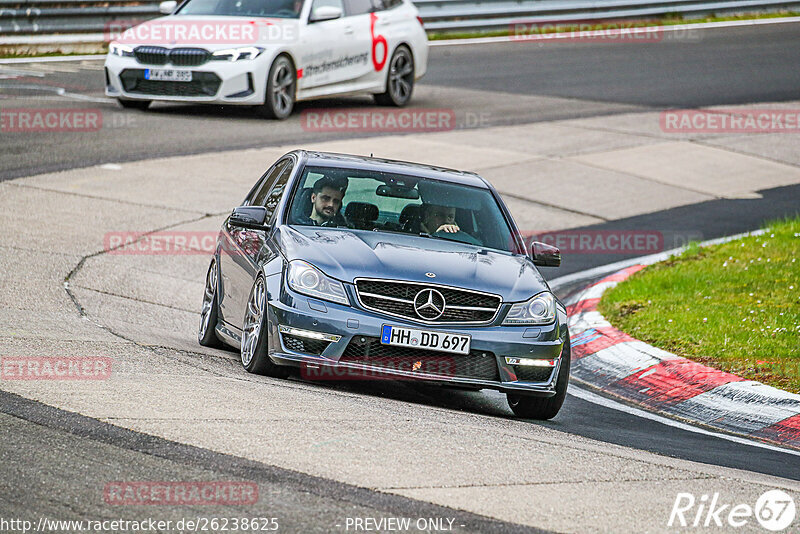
(355, 268)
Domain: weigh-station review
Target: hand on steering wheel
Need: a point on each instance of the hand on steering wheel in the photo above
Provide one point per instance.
(448, 228)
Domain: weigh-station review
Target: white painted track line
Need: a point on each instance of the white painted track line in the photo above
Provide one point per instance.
(594, 398)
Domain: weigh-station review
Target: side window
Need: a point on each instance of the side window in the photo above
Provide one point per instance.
(276, 193)
(382, 5)
(359, 7)
(327, 3)
(267, 182)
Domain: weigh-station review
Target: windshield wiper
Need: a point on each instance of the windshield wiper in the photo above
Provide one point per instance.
(431, 236)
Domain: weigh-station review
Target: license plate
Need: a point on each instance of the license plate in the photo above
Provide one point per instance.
(168, 75)
(425, 339)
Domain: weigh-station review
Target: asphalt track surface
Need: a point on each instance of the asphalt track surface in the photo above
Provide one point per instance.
(567, 80)
(722, 67)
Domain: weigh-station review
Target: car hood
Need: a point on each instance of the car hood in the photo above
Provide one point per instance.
(226, 32)
(350, 254)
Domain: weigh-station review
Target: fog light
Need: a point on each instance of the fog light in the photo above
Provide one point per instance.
(308, 334)
(534, 362)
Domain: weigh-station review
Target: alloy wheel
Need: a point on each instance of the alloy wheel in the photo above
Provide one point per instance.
(252, 322)
(282, 85)
(208, 301)
(401, 74)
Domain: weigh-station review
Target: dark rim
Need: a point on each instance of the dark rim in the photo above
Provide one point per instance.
(401, 75)
(282, 84)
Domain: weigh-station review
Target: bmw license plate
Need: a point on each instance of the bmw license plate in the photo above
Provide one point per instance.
(168, 75)
(425, 339)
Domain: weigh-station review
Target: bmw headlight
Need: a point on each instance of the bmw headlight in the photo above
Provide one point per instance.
(308, 280)
(235, 54)
(540, 309)
(121, 50)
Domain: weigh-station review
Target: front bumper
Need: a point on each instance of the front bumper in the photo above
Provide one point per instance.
(357, 328)
(222, 82)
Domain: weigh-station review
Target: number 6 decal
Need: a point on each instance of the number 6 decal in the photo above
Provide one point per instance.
(377, 40)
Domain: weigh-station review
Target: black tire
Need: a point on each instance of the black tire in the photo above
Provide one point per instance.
(254, 352)
(281, 89)
(399, 79)
(206, 334)
(544, 408)
(134, 104)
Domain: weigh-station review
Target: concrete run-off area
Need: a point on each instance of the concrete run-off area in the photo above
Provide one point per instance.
(141, 311)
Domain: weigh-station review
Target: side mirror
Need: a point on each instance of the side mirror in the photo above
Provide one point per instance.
(250, 217)
(545, 255)
(167, 7)
(325, 13)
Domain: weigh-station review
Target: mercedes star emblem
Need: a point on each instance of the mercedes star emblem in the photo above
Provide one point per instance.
(429, 304)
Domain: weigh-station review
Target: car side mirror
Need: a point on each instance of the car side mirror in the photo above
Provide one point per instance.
(545, 255)
(325, 13)
(167, 7)
(250, 217)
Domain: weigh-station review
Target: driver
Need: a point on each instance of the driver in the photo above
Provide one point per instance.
(326, 202)
(434, 218)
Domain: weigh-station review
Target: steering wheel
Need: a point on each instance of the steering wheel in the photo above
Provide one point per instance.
(461, 235)
(285, 13)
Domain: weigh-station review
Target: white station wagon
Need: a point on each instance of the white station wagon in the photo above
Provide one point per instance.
(269, 53)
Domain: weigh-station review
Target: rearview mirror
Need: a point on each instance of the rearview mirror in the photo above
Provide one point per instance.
(250, 217)
(397, 191)
(167, 7)
(545, 255)
(325, 13)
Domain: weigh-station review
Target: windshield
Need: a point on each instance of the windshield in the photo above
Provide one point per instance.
(244, 8)
(383, 202)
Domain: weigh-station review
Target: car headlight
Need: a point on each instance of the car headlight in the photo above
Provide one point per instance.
(308, 280)
(121, 50)
(235, 54)
(540, 309)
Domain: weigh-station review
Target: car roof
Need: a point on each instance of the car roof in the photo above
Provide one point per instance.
(332, 159)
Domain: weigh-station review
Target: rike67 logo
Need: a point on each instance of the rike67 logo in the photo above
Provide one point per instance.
(774, 510)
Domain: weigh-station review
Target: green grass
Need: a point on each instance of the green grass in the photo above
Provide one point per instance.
(669, 20)
(734, 306)
(101, 49)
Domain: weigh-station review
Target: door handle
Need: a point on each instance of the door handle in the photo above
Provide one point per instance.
(348, 29)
